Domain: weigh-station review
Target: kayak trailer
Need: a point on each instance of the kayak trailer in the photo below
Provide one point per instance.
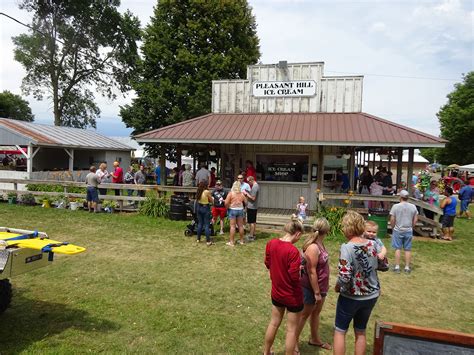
(22, 251)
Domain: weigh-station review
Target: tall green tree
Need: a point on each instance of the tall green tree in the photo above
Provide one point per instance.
(13, 106)
(188, 44)
(74, 49)
(456, 119)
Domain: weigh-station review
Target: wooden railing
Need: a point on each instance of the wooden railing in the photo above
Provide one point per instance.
(328, 196)
(162, 190)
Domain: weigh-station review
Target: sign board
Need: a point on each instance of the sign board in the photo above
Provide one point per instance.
(295, 88)
(395, 338)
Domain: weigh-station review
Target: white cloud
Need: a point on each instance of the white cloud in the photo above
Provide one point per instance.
(399, 38)
(378, 27)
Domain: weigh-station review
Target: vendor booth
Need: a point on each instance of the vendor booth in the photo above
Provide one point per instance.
(297, 126)
(38, 151)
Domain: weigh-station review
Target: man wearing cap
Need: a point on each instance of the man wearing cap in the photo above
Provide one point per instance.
(403, 217)
(252, 206)
(218, 209)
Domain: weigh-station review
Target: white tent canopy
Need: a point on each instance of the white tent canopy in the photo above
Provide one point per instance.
(469, 168)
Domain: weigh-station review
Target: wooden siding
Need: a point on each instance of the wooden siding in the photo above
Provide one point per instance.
(277, 194)
(333, 94)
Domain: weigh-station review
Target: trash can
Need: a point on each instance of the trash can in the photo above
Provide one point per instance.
(178, 210)
(379, 216)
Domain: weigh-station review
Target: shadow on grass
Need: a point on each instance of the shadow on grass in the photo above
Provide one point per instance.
(29, 321)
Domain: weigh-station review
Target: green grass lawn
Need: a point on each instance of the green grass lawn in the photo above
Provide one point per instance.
(143, 287)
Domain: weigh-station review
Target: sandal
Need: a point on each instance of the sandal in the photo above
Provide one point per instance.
(323, 345)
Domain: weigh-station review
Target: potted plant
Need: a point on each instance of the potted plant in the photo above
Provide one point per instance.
(109, 206)
(27, 199)
(12, 197)
(74, 204)
(61, 201)
(47, 201)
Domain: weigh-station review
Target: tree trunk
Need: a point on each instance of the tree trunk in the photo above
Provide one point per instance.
(57, 114)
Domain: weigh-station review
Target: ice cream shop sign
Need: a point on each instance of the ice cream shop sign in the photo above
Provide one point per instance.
(297, 88)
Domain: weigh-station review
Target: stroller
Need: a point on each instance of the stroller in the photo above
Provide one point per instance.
(191, 228)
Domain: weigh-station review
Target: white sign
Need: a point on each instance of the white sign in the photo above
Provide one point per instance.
(297, 88)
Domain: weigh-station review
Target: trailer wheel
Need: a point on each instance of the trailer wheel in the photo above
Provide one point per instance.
(188, 232)
(5, 294)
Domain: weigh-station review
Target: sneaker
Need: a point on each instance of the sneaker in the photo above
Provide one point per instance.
(230, 244)
(396, 269)
(198, 241)
(250, 238)
(209, 243)
(221, 233)
(241, 242)
(407, 270)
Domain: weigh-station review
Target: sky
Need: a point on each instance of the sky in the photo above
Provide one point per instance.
(411, 52)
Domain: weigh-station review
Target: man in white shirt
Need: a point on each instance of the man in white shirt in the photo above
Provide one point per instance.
(203, 175)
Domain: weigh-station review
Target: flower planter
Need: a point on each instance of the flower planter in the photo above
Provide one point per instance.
(12, 200)
(74, 206)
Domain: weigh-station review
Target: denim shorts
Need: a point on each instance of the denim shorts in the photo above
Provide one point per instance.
(92, 194)
(402, 240)
(348, 309)
(447, 221)
(308, 296)
(465, 205)
(233, 214)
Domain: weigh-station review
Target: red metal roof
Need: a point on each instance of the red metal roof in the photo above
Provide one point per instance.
(359, 129)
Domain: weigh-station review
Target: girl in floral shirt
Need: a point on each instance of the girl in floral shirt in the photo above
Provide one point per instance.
(357, 283)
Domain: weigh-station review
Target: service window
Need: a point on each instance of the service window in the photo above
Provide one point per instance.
(291, 168)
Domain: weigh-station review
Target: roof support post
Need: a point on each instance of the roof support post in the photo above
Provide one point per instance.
(70, 153)
(220, 167)
(373, 162)
(320, 172)
(351, 169)
(194, 158)
(411, 152)
(163, 165)
(399, 167)
(29, 157)
(29, 160)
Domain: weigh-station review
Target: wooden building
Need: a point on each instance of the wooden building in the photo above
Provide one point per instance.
(296, 125)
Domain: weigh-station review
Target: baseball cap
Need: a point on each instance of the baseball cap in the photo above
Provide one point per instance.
(218, 182)
(404, 193)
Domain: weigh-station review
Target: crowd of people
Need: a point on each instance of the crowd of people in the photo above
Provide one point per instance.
(382, 184)
(300, 278)
(300, 282)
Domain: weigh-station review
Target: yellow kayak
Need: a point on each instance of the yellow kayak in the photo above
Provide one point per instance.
(37, 242)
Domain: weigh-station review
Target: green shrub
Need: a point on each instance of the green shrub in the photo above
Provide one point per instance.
(27, 199)
(154, 206)
(334, 216)
(55, 188)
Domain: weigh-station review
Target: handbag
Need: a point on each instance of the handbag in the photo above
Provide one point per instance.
(382, 265)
